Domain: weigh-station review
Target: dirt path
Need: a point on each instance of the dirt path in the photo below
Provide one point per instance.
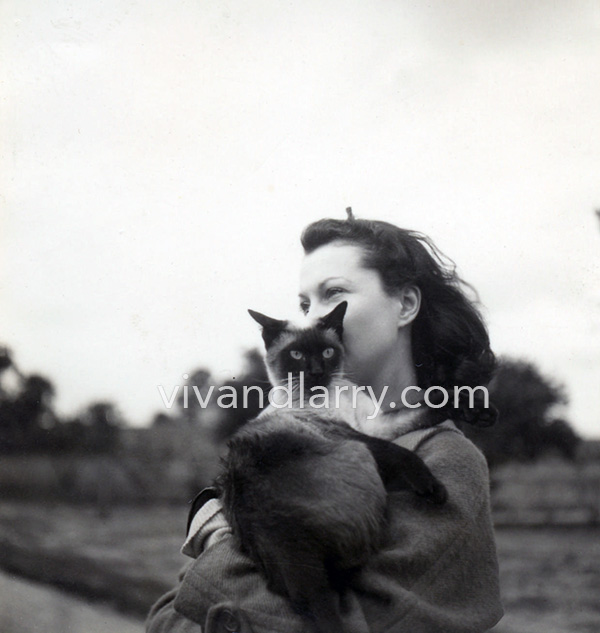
(28, 607)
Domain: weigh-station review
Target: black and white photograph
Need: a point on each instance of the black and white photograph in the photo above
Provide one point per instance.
(300, 326)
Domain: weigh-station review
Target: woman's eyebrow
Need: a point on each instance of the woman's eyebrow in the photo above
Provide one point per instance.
(326, 281)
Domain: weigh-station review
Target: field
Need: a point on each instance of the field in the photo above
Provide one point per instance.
(28, 607)
(549, 576)
(550, 579)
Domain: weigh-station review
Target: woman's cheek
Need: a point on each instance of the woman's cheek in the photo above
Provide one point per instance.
(358, 340)
(353, 329)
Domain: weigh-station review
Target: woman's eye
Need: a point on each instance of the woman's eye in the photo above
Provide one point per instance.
(294, 353)
(304, 307)
(328, 353)
(332, 292)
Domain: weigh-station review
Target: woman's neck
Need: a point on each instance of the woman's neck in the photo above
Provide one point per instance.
(394, 390)
(393, 377)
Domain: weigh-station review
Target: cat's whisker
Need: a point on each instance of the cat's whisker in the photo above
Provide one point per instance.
(347, 375)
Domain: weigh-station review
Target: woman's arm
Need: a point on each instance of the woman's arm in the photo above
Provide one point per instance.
(164, 619)
(224, 581)
(438, 574)
(220, 590)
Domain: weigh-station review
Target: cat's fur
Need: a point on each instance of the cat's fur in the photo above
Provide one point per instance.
(304, 492)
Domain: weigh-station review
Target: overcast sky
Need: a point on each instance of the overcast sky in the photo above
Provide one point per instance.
(159, 161)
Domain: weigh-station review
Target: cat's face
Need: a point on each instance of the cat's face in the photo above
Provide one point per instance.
(316, 352)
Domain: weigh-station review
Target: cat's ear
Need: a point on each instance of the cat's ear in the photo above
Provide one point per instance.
(271, 328)
(335, 319)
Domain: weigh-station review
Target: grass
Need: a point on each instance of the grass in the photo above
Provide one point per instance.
(547, 492)
(76, 548)
(550, 579)
(549, 576)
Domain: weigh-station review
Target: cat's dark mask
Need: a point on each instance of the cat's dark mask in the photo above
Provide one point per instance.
(273, 328)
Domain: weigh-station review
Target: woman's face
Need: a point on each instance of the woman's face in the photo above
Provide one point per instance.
(334, 273)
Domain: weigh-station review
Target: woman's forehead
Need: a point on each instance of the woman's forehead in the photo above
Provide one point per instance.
(332, 261)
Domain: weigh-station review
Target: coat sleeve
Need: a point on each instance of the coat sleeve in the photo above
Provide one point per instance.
(222, 591)
(163, 618)
(437, 573)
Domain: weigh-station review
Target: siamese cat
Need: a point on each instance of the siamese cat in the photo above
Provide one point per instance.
(304, 492)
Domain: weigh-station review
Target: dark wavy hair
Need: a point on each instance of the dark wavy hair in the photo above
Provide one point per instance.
(450, 343)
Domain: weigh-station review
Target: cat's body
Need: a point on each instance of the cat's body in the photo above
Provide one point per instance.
(304, 492)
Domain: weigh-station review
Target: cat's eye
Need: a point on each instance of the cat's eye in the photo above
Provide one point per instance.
(328, 353)
(294, 353)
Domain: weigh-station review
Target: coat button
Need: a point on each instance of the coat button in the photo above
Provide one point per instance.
(229, 621)
(226, 617)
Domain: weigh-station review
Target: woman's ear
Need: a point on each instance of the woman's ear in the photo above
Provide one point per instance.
(410, 303)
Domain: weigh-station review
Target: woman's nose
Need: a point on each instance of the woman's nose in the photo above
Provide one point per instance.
(316, 312)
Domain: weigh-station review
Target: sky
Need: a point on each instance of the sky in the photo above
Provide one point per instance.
(158, 162)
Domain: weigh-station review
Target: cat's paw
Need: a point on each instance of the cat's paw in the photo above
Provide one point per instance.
(436, 492)
(430, 488)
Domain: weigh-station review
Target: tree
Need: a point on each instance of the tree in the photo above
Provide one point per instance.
(6, 405)
(527, 426)
(192, 409)
(5, 359)
(103, 422)
(253, 375)
(26, 416)
(161, 419)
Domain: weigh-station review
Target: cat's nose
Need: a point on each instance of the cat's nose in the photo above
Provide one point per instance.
(316, 369)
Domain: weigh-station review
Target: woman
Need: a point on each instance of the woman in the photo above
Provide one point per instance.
(408, 325)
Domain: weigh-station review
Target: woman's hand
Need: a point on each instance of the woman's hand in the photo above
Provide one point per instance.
(206, 526)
